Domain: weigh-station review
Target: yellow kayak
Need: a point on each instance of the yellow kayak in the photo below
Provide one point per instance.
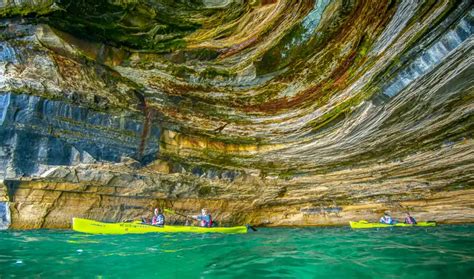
(366, 225)
(95, 227)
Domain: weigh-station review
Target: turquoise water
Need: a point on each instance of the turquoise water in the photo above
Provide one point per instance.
(440, 252)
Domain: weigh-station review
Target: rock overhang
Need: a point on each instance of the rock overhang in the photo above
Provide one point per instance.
(300, 95)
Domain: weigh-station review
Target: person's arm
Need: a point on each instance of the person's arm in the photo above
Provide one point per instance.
(198, 217)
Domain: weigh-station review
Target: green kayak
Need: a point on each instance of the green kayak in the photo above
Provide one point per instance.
(366, 225)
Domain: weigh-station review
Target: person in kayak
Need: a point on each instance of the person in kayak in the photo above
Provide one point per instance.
(387, 219)
(205, 218)
(158, 218)
(409, 220)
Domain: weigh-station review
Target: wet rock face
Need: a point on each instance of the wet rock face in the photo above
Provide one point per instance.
(4, 216)
(266, 111)
(37, 131)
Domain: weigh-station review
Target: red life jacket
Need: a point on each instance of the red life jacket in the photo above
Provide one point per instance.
(210, 221)
(410, 220)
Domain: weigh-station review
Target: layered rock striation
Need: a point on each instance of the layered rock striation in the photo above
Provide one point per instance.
(266, 111)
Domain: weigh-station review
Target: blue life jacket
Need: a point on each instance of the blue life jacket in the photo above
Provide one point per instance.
(158, 220)
(386, 220)
(206, 220)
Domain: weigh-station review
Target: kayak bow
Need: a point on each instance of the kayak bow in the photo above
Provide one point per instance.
(96, 227)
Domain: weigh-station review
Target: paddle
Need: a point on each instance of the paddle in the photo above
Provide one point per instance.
(251, 227)
(174, 212)
(189, 217)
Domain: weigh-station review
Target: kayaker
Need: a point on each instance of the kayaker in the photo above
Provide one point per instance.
(387, 219)
(158, 218)
(409, 220)
(205, 218)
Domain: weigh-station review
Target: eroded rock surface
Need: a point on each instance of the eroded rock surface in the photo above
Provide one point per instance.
(266, 111)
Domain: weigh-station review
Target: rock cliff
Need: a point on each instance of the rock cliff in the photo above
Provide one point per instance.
(267, 112)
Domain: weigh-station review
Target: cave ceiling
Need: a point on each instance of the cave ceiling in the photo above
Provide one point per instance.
(281, 88)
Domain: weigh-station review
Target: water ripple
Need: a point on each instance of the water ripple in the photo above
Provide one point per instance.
(439, 252)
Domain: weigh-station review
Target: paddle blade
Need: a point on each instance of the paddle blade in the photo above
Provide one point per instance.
(251, 227)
